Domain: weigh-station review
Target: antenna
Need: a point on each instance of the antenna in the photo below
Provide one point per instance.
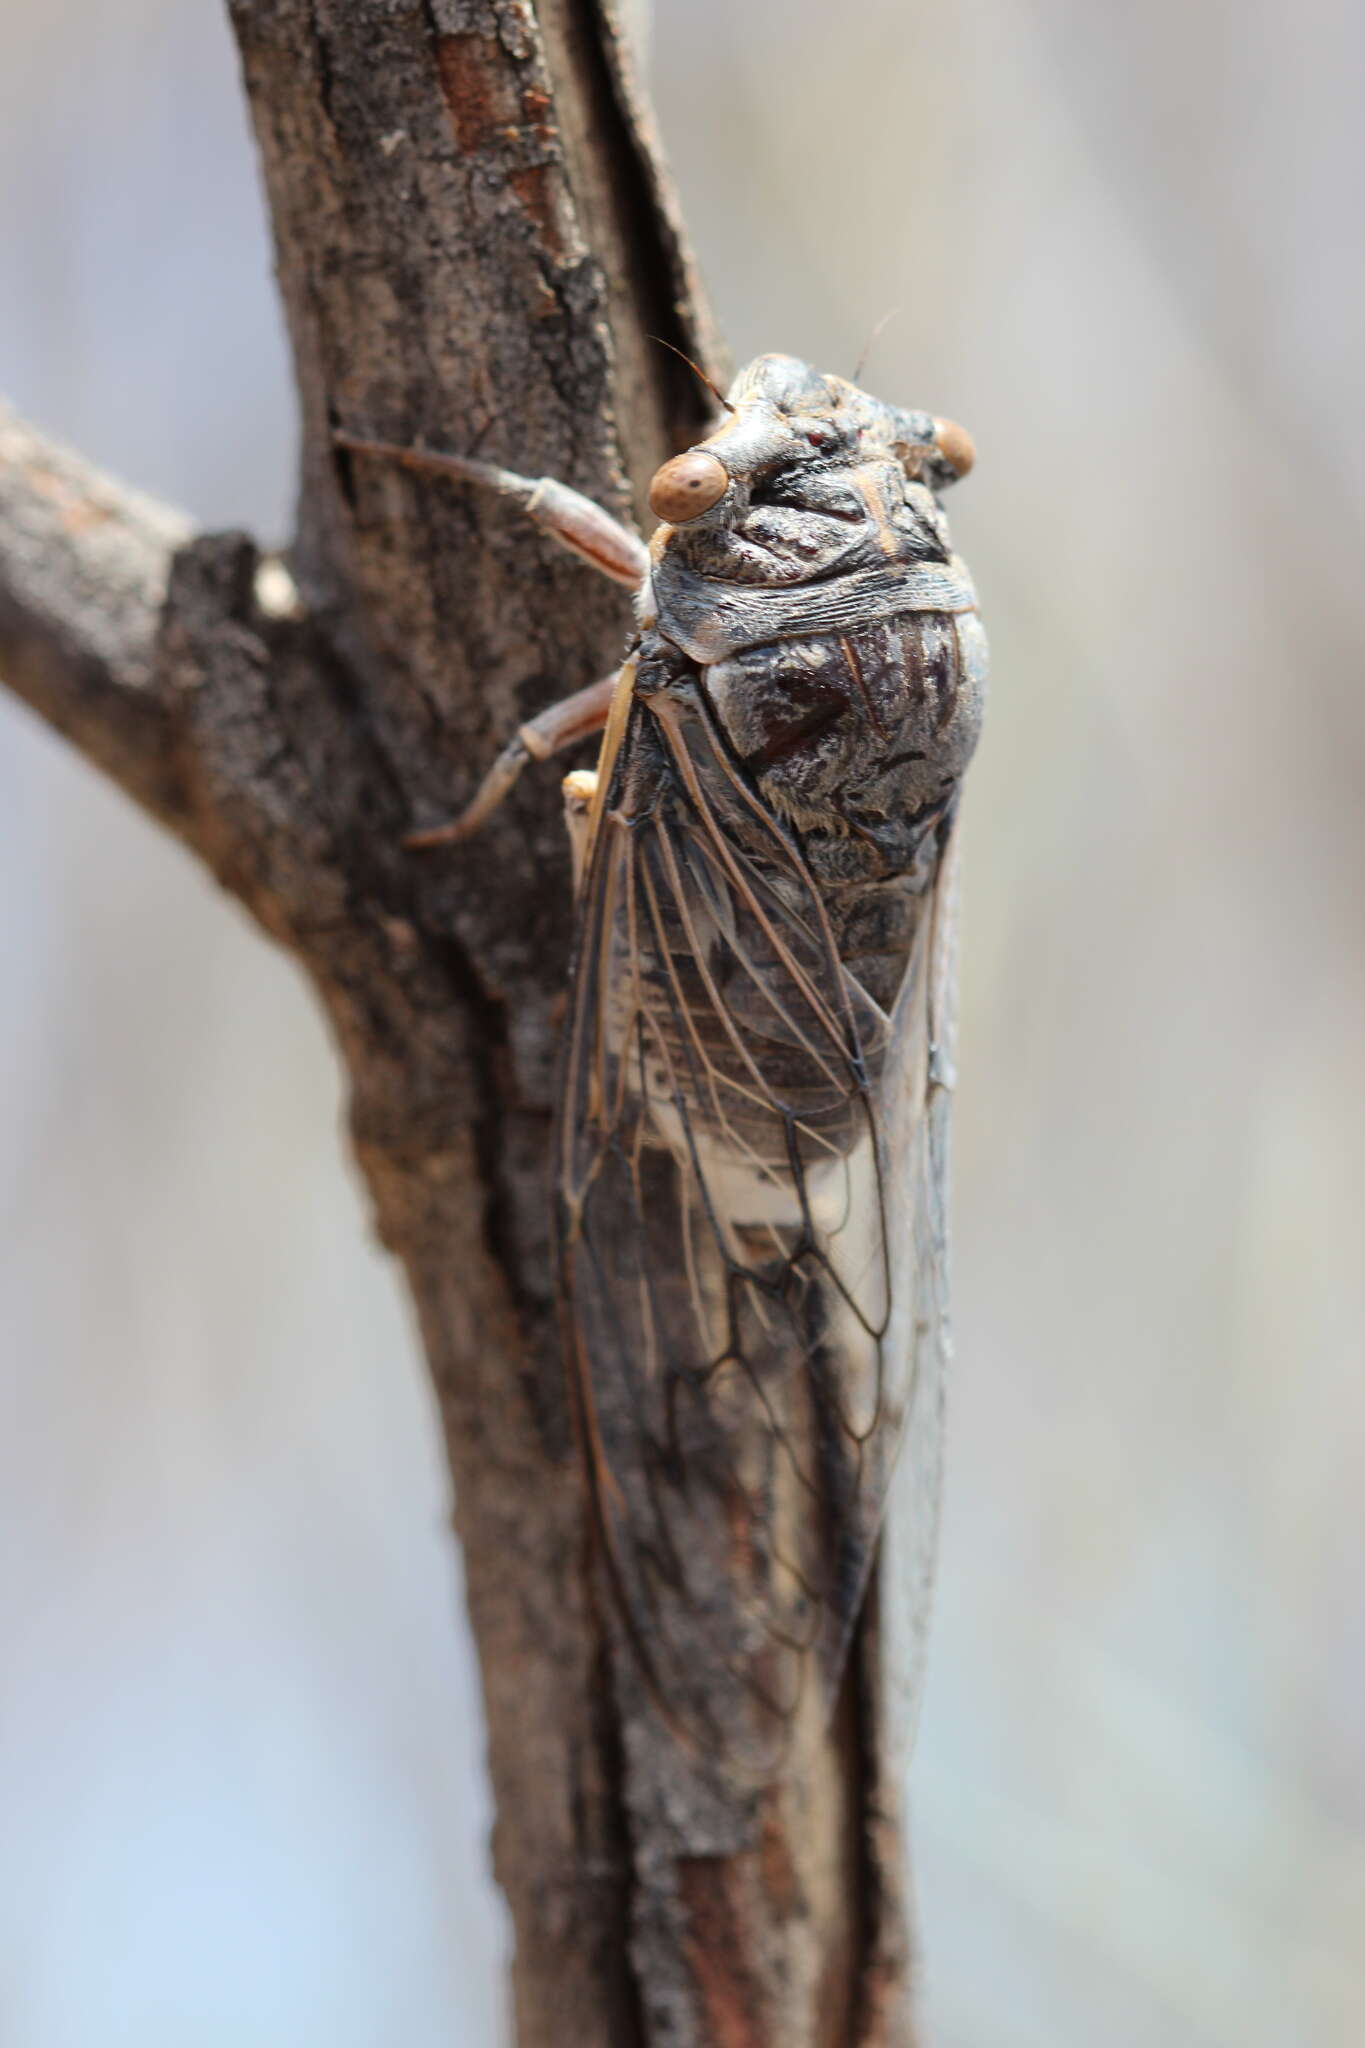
(872, 341)
(716, 393)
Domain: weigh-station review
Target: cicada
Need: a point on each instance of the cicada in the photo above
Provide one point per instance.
(750, 1155)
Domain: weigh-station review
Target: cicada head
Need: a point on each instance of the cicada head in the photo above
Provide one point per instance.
(785, 417)
(805, 477)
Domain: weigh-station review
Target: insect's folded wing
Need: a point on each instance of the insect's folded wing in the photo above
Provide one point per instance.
(915, 1108)
(735, 1225)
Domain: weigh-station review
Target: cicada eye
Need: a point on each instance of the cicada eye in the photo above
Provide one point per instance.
(687, 486)
(955, 445)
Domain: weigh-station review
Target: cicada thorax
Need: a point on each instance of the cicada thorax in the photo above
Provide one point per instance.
(831, 764)
(858, 741)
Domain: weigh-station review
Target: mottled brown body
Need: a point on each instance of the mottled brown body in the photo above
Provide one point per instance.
(751, 1151)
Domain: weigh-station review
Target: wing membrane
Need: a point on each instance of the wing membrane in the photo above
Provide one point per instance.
(750, 1167)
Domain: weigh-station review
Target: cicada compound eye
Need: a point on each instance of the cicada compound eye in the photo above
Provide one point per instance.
(955, 445)
(687, 486)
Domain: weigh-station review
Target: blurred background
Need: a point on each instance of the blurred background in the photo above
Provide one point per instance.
(240, 1751)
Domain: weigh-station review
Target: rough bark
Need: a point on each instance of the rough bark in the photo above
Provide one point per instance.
(473, 243)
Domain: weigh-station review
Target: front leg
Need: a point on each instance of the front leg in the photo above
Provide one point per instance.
(573, 520)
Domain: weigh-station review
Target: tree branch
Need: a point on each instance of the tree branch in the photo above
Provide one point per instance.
(473, 243)
(84, 566)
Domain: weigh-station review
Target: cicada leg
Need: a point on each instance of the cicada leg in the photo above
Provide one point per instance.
(586, 531)
(570, 518)
(561, 725)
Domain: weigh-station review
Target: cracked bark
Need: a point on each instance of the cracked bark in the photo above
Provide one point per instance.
(474, 241)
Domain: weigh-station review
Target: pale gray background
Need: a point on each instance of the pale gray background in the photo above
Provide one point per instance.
(240, 1772)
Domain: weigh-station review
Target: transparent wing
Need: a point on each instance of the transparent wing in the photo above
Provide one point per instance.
(751, 1229)
(916, 1105)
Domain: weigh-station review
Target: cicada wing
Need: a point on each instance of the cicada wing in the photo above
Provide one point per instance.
(916, 1104)
(736, 1219)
